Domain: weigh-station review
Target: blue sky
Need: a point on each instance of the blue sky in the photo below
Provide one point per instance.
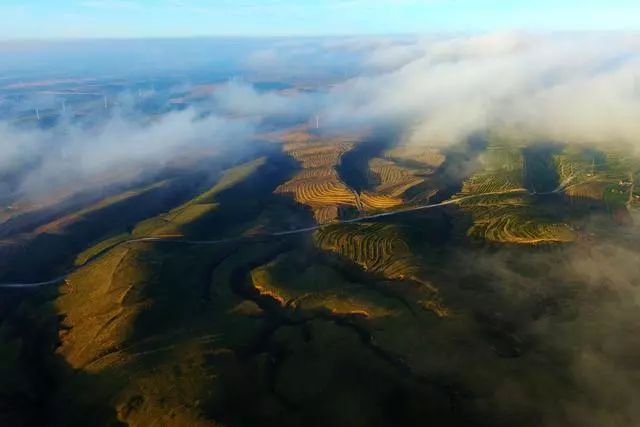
(43, 19)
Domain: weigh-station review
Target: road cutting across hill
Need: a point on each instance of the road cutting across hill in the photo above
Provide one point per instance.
(242, 238)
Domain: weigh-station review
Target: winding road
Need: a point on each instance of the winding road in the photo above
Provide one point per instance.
(452, 201)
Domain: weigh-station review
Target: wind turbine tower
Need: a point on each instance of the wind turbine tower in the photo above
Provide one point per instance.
(317, 121)
(37, 114)
(105, 102)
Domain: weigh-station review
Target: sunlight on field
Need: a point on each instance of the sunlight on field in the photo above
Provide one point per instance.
(375, 247)
(97, 298)
(393, 181)
(172, 223)
(379, 202)
(317, 185)
(511, 217)
(313, 287)
(382, 250)
(606, 176)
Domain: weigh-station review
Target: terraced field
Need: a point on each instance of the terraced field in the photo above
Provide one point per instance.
(317, 154)
(515, 220)
(607, 176)
(175, 334)
(425, 156)
(393, 180)
(329, 330)
(374, 202)
(317, 173)
(492, 182)
(582, 173)
(322, 192)
(298, 135)
(511, 217)
(318, 185)
(502, 170)
(378, 248)
(382, 249)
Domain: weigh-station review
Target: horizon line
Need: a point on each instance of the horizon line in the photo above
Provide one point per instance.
(314, 36)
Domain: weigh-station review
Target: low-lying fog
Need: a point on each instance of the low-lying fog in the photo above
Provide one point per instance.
(574, 88)
(577, 88)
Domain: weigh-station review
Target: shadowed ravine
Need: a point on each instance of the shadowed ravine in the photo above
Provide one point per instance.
(242, 238)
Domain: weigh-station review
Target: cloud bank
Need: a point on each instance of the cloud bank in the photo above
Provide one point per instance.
(573, 88)
(439, 89)
(72, 156)
(566, 87)
(574, 312)
(569, 87)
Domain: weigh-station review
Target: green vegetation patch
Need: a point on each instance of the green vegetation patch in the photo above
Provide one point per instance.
(501, 209)
(297, 282)
(376, 247)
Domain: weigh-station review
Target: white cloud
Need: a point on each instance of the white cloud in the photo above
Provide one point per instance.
(242, 99)
(439, 89)
(70, 156)
(575, 88)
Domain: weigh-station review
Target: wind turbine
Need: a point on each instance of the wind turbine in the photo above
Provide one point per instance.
(37, 114)
(317, 121)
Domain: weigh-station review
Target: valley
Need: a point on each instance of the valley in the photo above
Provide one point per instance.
(279, 283)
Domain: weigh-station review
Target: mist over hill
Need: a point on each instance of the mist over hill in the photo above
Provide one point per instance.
(573, 88)
(322, 231)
